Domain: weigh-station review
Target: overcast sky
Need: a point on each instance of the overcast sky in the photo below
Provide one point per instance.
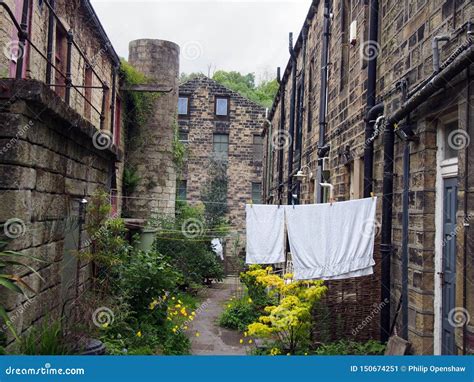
(246, 36)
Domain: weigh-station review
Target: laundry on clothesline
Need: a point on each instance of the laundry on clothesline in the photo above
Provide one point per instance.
(332, 241)
(265, 225)
(217, 248)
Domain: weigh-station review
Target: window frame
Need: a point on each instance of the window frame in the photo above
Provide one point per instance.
(259, 184)
(188, 98)
(227, 115)
(216, 153)
(254, 145)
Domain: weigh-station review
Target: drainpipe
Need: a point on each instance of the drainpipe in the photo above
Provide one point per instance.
(112, 102)
(323, 97)
(466, 210)
(292, 120)
(281, 132)
(435, 45)
(436, 83)
(22, 38)
(370, 120)
(49, 53)
(370, 100)
(299, 142)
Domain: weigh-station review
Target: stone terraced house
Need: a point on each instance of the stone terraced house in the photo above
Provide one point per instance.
(377, 98)
(217, 124)
(60, 139)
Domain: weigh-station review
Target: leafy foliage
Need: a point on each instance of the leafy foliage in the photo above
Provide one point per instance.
(14, 282)
(185, 242)
(289, 320)
(239, 314)
(244, 84)
(345, 347)
(214, 193)
(45, 339)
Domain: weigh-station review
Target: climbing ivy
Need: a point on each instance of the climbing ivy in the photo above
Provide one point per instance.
(180, 150)
(138, 106)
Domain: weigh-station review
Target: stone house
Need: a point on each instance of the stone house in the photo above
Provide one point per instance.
(377, 98)
(60, 139)
(220, 126)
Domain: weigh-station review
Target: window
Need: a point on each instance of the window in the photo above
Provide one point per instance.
(60, 59)
(257, 193)
(221, 146)
(118, 120)
(183, 105)
(181, 190)
(257, 148)
(87, 91)
(183, 136)
(222, 106)
(451, 135)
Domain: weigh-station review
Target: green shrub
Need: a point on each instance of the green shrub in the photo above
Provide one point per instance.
(185, 241)
(45, 339)
(345, 347)
(238, 315)
(146, 276)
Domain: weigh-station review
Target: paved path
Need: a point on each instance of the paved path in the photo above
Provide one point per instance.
(214, 340)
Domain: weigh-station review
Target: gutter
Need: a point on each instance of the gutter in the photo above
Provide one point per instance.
(109, 47)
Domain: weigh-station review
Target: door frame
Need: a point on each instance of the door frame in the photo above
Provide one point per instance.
(446, 168)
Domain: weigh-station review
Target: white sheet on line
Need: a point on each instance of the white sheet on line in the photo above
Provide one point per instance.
(332, 242)
(265, 234)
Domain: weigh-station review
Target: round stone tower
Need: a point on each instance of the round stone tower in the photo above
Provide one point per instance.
(151, 153)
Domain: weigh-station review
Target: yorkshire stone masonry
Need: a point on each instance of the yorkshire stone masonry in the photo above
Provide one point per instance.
(406, 32)
(151, 155)
(49, 162)
(244, 122)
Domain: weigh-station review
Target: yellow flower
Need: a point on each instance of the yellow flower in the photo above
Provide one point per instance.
(177, 306)
(250, 300)
(173, 298)
(193, 313)
(105, 324)
(180, 301)
(185, 328)
(245, 334)
(139, 333)
(228, 305)
(241, 341)
(198, 334)
(174, 330)
(250, 341)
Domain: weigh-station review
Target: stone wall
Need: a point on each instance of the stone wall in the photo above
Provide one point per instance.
(403, 52)
(244, 122)
(49, 162)
(151, 153)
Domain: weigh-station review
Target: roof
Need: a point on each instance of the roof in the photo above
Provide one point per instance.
(98, 25)
(297, 48)
(201, 78)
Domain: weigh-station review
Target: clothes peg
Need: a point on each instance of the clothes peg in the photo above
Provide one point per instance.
(372, 195)
(251, 203)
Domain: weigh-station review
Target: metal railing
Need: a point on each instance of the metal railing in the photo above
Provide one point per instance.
(23, 38)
